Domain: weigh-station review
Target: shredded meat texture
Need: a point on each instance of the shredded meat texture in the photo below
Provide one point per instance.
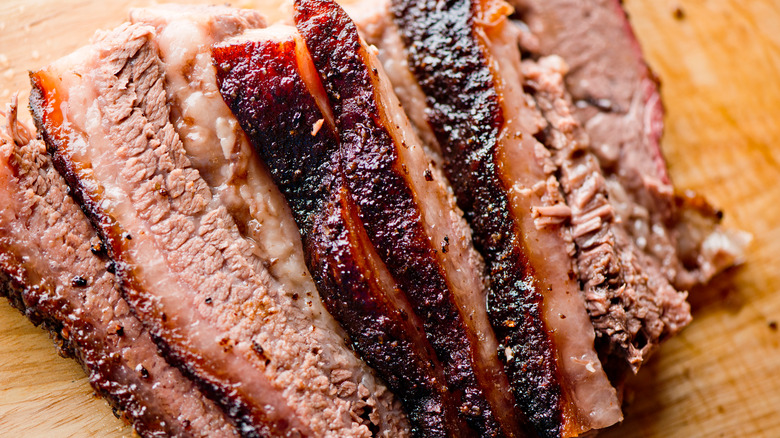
(617, 100)
(631, 303)
(53, 268)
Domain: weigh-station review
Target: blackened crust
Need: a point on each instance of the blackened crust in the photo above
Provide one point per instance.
(385, 202)
(337, 259)
(261, 84)
(450, 65)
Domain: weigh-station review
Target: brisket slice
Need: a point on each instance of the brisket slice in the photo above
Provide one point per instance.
(217, 147)
(618, 103)
(51, 268)
(465, 60)
(261, 80)
(409, 215)
(185, 268)
(374, 184)
(630, 301)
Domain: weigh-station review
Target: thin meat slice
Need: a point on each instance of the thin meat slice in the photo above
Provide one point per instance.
(618, 103)
(52, 268)
(631, 303)
(190, 275)
(414, 222)
(217, 147)
(465, 59)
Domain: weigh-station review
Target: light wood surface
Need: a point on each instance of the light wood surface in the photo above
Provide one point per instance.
(719, 61)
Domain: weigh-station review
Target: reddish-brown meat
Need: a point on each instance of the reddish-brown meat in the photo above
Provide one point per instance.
(617, 101)
(53, 268)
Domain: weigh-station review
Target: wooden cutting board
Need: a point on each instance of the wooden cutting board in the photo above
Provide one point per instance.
(719, 61)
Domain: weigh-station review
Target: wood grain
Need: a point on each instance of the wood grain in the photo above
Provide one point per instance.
(719, 61)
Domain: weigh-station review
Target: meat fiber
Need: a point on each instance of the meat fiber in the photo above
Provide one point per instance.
(630, 290)
(617, 101)
(371, 195)
(631, 303)
(256, 203)
(185, 267)
(52, 267)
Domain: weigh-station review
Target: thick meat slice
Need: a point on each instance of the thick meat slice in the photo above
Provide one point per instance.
(378, 189)
(189, 273)
(465, 59)
(217, 147)
(409, 214)
(51, 268)
(630, 301)
(618, 102)
(261, 78)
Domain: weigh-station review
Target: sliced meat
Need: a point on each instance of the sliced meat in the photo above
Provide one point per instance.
(52, 268)
(618, 103)
(616, 93)
(261, 79)
(184, 266)
(217, 147)
(465, 59)
(630, 301)
(376, 187)
(409, 214)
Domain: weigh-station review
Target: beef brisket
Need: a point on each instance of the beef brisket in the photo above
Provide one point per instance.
(281, 118)
(217, 147)
(631, 303)
(617, 101)
(185, 267)
(688, 246)
(51, 268)
(373, 184)
(241, 230)
(465, 59)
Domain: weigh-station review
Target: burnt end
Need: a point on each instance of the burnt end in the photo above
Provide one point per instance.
(386, 204)
(447, 59)
(262, 86)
